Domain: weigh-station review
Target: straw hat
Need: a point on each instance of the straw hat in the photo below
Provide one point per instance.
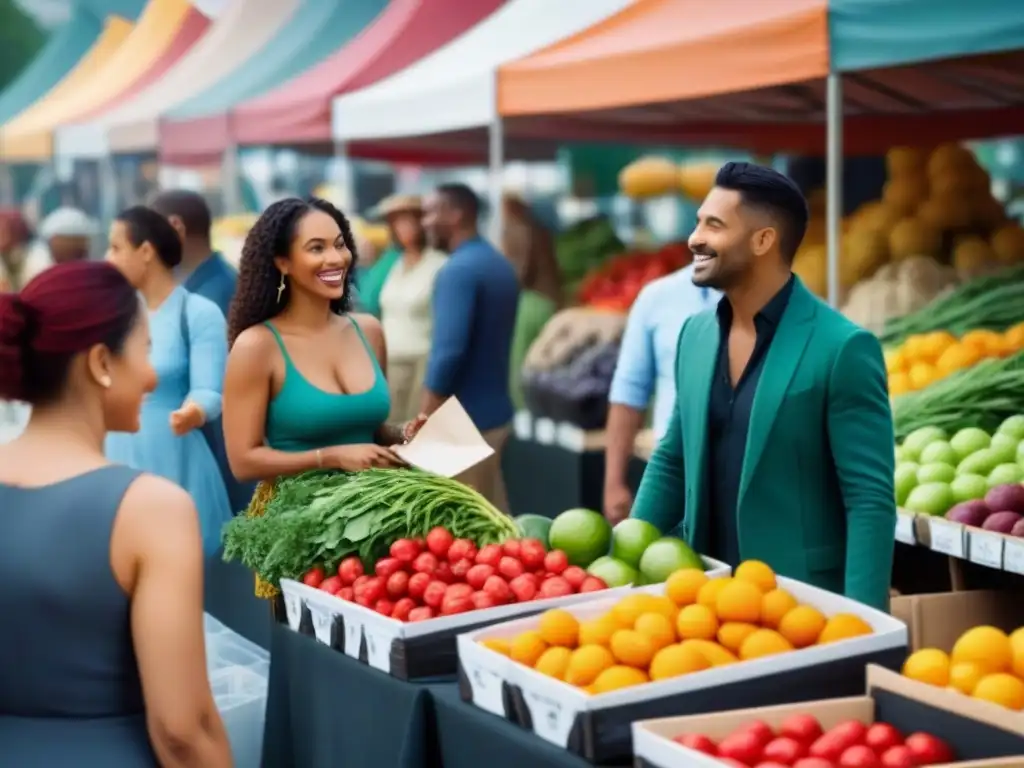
(389, 206)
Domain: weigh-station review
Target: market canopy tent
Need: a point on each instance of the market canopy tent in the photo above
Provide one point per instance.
(299, 112)
(235, 37)
(30, 137)
(199, 131)
(451, 92)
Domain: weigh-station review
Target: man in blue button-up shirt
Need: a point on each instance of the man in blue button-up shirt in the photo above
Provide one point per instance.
(646, 368)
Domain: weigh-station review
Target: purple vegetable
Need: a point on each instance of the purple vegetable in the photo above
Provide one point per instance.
(1001, 522)
(1018, 529)
(972, 513)
(1009, 498)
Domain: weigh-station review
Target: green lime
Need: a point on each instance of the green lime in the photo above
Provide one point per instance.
(930, 499)
(1020, 454)
(969, 440)
(968, 487)
(906, 481)
(1013, 426)
(939, 452)
(666, 556)
(1005, 447)
(900, 454)
(583, 534)
(979, 463)
(630, 538)
(917, 440)
(612, 572)
(1006, 474)
(935, 473)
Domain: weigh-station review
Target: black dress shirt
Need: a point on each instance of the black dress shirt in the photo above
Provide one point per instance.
(728, 422)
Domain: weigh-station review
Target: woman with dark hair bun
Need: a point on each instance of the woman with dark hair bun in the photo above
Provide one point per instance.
(189, 354)
(101, 565)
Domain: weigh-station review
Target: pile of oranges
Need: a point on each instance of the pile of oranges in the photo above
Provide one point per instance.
(697, 624)
(928, 357)
(985, 663)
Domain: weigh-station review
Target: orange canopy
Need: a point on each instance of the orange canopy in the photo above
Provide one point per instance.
(657, 51)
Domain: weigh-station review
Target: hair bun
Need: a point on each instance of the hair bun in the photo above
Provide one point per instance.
(14, 330)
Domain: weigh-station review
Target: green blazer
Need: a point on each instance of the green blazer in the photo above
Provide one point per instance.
(816, 498)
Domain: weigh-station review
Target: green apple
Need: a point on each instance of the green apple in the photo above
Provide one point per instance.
(969, 440)
(940, 452)
(906, 481)
(1013, 426)
(917, 440)
(969, 487)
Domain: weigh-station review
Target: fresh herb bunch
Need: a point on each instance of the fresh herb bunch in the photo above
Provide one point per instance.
(323, 517)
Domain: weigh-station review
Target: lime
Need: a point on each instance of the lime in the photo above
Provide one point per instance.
(1005, 447)
(630, 538)
(612, 572)
(968, 487)
(979, 463)
(583, 534)
(1006, 474)
(900, 454)
(1013, 426)
(918, 439)
(666, 556)
(935, 473)
(969, 440)
(534, 527)
(1020, 454)
(906, 481)
(931, 499)
(939, 452)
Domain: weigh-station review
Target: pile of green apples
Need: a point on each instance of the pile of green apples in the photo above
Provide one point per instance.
(935, 470)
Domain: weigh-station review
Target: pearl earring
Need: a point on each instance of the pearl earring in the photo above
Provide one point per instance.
(106, 382)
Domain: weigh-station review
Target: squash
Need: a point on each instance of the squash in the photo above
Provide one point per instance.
(1008, 244)
(972, 257)
(649, 177)
(905, 193)
(863, 252)
(697, 179)
(949, 158)
(950, 211)
(811, 265)
(903, 161)
(914, 237)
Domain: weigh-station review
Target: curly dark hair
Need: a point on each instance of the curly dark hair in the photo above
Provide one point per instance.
(255, 299)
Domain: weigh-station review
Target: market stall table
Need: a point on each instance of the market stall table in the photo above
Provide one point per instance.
(230, 598)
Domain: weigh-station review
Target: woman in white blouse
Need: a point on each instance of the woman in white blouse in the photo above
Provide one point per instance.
(405, 304)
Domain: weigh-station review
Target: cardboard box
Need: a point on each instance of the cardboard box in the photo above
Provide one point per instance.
(936, 621)
(987, 737)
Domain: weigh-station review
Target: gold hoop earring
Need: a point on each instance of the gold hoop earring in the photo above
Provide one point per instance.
(280, 288)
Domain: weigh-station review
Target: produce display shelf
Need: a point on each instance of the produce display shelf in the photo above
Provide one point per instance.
(987, 548)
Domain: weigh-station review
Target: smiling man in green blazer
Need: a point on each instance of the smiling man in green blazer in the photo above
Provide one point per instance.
(780, 446)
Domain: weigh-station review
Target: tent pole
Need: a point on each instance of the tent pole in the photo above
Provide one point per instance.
(7, 194)
(346, 179)
(229, 181)
(496, 163)
(834, 181)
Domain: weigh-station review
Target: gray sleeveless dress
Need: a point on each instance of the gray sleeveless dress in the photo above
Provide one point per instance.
(69, 685)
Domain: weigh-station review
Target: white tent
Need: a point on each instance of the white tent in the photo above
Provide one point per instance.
(453, 89)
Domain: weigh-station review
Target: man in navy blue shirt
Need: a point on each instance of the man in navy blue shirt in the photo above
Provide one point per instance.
(474, 306)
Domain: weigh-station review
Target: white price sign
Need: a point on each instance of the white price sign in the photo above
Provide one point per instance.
(544, 431)
(905, 528)
(571, 437)
(487, 689)
(1013, 556)
(323, 621)
(985, 548)
(551, 720)
(353, 635)
(947, 538)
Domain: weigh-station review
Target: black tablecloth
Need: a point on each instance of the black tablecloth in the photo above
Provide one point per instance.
(229, 598)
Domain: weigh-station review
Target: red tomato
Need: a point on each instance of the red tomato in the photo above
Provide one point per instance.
(346, 593)
(434, 594)
(785, 750)
(744, 746)
(489, 555)
(373, 589)
(555, 586)
(444, 573)
(384, 607)
(575, 576)
(418, 584)
(772, 764)
(438, 541)
(761, 730)
(360, 580)
(425, 563)
(859, 756)
(899, 757)
(461, 567)
(421, 614)
(556, 561)
(929, 750)
(483, 600)
(478, 575)
(461, 549)
(457, 590)
(313, 577)
(402, 609)
(592, 584)
(523, 588)
(851, 731)
(882, 736)
(361, 600)
(453, 605)
(331, 584)
(387, 565)
(350, 569)
(499, 589)
(829, 747)
(511, 548)
(397, 584)
(532, 553)
(803, 728)
(698, 742)
(813, 762)
(405, 550)
(509, 567)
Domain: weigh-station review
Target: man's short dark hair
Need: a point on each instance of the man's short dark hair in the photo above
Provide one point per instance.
(773, 192)
(462, 199)
(188, 206)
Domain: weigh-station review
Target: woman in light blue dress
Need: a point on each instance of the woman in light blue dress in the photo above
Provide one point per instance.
(189, 352)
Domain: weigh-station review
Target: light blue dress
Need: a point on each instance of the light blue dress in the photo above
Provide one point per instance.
(185, 460)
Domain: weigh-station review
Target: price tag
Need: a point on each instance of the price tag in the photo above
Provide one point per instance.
(323, 622)
(378, 650)
(353, 635)
(985, 548)
(571, 437)
(1013, 556)
(947, 538)
(544, 431)
(487, 690)
(522, 424)
(293, 610)
(905, 529)
(552, 721)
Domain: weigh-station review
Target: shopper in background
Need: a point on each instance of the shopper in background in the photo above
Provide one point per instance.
(530, 246)
(406, 314)
(202, 270)
(476, 294)
(189, 354)
(372, 276)
(16, 266)
(67, 235)
(646, 369)
(779, 447)
(105, 664)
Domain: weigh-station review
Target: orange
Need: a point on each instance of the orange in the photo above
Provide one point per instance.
(696, 622)
(913, 348)
(1013, 338)
(802, 626)
(843, 626)
(675, 660)
(527, 648)
(658, 629)
(899, 384)
(732, 634)
(964, 677)
(929, 666)
(716, 655)
(630, 608)
(1001, 688)
(1017, 651)
(663, 605)
(586, 663)
(895, 361)
(988, 343)
(764, 642)
(709, 592)
(597, 631)
(618, 677)
(987, 647)
(682, 586)
(774, 606)
(498, 645)
(553, 662)
(558, 627)
(756, 573)
(934, 344)
(739, 601)
(632, 648)
(958, 357)
(921, 375)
